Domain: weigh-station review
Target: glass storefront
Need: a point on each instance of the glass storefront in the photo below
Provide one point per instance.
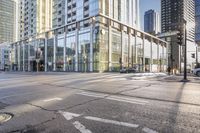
(60, 54)
(113, 47)
(50, 52)
(84, 52)
(70, 52)
(116, 50)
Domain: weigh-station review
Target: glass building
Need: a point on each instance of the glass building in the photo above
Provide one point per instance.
(152, 22)
(7, 20)
(97, 36)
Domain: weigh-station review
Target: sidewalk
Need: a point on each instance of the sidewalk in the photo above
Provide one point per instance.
(178, 78)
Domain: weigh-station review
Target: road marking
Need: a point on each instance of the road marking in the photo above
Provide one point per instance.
(148, 130)
(69, 116)
(53, 99)
(81, 127)
(115, 98)
(112, 122)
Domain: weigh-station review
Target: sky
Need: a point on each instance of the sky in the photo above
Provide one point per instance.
(146, 5)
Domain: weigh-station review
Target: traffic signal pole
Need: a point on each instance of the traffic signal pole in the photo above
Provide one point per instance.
(185, 55)
(180, 43)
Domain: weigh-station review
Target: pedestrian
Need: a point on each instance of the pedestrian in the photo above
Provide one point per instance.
(169, 70)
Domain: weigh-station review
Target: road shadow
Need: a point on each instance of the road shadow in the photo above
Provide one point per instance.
(174, 111)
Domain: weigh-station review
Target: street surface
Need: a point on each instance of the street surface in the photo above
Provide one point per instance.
(99, 103)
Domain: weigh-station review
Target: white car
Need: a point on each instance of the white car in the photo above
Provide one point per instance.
(196, 71)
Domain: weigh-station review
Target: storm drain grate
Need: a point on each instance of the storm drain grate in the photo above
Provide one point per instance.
(4, 117)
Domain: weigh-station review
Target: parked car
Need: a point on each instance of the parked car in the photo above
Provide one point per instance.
(128, 70)
(123, 70)
(196, 71)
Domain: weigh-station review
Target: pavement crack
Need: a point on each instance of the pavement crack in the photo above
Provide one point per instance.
(42, 108)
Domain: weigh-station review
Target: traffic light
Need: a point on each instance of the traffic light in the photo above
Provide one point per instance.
(180, 38)
(193, 55)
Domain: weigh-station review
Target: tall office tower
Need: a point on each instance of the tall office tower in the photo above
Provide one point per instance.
(197, 28)
(36, 17)
(173, 13)
(7, 21)
(197, 21)
(21, 19)
(125, 11)
(58, 13)
(152, 22)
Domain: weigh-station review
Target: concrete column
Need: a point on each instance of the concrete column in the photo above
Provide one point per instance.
(54, 53)
(143, 54)
(76, 57)
(64, 53)
(10, 58)
(122, 48)
(110, 47)
(158, 58)
(151, 56)
(15, 54)
(91, 47)
(45, 54)
(163, 52)
(18, 47)
(136, 54)
(23, 56)
(29, 57)
(129, 50)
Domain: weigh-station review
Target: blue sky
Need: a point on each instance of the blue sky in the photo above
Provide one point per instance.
(146, 5)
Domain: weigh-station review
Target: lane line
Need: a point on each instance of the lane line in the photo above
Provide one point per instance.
(69, 116)
(111, 122)
(148, 130)
(53, 99)
(127, 101)
(131, 99)
(81, 127)
(115, 98)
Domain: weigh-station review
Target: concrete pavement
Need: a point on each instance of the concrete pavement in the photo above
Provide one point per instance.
(96, 103)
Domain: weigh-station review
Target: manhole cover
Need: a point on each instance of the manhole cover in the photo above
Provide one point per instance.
(5, 117)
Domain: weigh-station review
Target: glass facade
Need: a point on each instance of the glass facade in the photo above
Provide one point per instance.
(98, 40)
(7, 21)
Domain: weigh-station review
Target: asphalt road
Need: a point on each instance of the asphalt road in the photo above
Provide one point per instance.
(99, 103)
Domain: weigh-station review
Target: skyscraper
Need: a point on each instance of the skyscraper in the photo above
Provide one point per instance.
(173, 15)
(197, 28)
(58, 13)
(7, 21)
(151, 22)
(197, 19)
(35, 17)
(65, 12)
